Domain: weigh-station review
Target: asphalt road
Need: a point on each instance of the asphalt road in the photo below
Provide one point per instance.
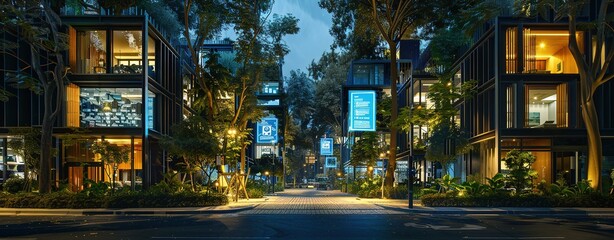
(309, 214)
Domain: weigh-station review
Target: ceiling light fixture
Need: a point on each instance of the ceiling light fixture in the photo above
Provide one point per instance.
(550, 98)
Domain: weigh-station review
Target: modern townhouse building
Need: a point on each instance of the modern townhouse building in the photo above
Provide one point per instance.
(373, 75)
(126, 87)
(268, 133)
(527, 98)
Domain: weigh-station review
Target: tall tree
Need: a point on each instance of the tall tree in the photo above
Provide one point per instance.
(594, 71)
(366, 151)
(330, 73)
(258, 45)
(38, 29)
(300, 97)
(394, 19)
(111, 155)
(352, 28)
(193, 141)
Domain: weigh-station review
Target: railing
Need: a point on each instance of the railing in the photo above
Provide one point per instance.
(96, 10)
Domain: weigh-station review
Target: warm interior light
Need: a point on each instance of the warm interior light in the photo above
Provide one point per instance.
(132, 95)
(535, 98)
(551, 34)
(542, 45)
(550, 98)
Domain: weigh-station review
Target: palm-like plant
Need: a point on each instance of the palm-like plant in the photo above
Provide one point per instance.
(447, 183)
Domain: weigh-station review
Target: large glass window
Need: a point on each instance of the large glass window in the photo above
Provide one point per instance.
(127, 53)
(368, 74)
(546, 106)
(84, 164)
(113, 107)
(547, 51)
(543, 51)
(420, 91)
(270, 88)
(273, 102)
(126, 57)
(92, 51)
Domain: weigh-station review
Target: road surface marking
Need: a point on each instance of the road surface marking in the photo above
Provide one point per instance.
(466, 227)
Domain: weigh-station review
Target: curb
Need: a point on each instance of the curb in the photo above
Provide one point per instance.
(502, 211)
(113, 212)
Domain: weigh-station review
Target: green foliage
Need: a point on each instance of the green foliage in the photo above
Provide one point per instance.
(447, 183)
(521, 174)
(170, 184)
(371, 188)
(522, 200)
(496, 183)
(560, 188)
(446, 140)
(300, 98)
(124, 199)
(111, 153)
(473, 188)
(163, 15)
(14, 184)
(28, 146)
(366, 150)
(93, 189)
(398, 192)
(158, 199)
(117, 5)
(445, 46)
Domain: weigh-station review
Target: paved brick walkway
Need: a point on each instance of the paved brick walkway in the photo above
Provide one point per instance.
(311, 201)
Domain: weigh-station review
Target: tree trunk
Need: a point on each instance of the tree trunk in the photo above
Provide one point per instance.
(44, 177)
(392, 155)
(294, 180)
(591, 121)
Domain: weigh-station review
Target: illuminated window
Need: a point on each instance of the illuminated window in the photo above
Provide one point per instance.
(547, 51)
(127, 53)
(546, 106)
(92, 51)
(110, 107)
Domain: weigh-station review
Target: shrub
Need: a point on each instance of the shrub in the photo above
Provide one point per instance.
(371, 188)
(124, 199)
(255, 192)
(472, 188)
(447, 183)
(93, 188)
(398, 192)
(521, 175)
(525, 200)
(14, 184)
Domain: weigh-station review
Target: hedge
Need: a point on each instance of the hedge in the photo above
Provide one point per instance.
(119, 200)
(595, 200)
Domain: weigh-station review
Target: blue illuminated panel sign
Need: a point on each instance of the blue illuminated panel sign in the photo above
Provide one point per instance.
(331, 162)
(326, 146)
(266, 131)
(362, 111)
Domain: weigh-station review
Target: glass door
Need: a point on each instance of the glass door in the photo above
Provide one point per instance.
(566, 167)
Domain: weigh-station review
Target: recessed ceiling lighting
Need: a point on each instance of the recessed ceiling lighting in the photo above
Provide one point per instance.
(542, 45)
(550, 98)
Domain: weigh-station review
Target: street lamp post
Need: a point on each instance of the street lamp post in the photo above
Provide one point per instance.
(410, 182)
(266, 173)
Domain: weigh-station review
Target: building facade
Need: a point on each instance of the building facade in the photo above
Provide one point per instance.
(527, 99)
(125, 87)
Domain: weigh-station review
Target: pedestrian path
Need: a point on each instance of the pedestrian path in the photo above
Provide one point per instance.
(311, 201)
